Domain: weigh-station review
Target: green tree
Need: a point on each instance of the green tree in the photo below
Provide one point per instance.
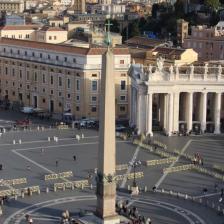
(212, 4)
(179, 8)
(115, 27)
(133, 29)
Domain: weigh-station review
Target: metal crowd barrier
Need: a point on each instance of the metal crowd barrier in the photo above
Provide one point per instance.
(13, 182)
(55, 176)
(159, 161)
(129, 176)
(178, 168)
(71, 185)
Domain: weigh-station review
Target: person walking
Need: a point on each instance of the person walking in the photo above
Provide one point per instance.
(74, 157)
(56, 163)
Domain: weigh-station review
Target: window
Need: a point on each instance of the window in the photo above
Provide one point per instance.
(93, 109)
(123, 75)
(35, 77)
(13, 93)
(43, 100)
(52, 92)
(27, 36)
(78, 84)
(59, 93)
(6, 71)
(55, 38)
(68, 83)
(59, 81)
(122, 98)
(94, 98)
(94, 75)
(27, 75)
(74, 60)
(50, 38)
(4, 49)
(123, 84)
(121, 62)
(43, 90)
(68, 95)
(52, 80)
(122, 108)
(33, 54)
(25, 53)
(28, 87)
(77, 108)
(59, 104)
(65, 59)
(94, 85)
(13, 72)
(43, 78)
(49, 57)
(28, 96)
(41, 55)
(77, 98)
(13, 83)
(57, 58)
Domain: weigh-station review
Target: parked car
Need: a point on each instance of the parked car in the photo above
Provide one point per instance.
(27, 110)
(120, 128)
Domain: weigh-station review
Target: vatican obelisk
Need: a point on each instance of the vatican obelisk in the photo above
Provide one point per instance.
(106, 185)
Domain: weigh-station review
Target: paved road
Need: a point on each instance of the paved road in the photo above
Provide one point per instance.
(16, 158)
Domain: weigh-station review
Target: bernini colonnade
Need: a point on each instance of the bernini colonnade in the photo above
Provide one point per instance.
(176, 98)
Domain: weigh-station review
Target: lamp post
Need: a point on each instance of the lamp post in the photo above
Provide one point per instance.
(135, 164)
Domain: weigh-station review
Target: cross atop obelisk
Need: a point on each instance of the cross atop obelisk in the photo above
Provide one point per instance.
(106, 186)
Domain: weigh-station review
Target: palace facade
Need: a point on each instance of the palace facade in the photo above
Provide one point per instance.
(60, 78)
(177, 99)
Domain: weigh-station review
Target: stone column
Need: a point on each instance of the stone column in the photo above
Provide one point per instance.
(176, 108)
(149, 114)
(131, 122)
(141, 113)
(189, 111)
(203, 111)
(170, 115)
(217, 111)
(106, 185)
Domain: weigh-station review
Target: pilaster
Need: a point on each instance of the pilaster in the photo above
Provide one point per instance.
(217, 112)
(189, 111)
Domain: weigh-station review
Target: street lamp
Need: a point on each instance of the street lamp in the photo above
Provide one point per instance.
(135, 164)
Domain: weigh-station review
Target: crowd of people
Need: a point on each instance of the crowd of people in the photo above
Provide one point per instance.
(122, 208)
(198, 159)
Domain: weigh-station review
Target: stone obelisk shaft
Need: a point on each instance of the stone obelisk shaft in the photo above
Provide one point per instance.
(106, 186)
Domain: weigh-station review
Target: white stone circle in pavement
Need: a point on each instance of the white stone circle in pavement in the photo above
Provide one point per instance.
(19, 216)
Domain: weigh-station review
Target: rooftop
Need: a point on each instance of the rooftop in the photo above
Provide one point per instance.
(61, 48)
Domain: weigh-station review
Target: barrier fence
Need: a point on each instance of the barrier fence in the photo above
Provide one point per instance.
(13, 182)
(202, 201)
(21, 191)
(178, 168)
(152, 149)
(122, 167)
(129, 176)
(160, 144)
(55, 176)
(159, 161)
(62, 126)
(71, 185)
(219, 168)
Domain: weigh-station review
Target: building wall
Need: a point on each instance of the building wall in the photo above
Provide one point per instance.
(53, 37)
(19, 34)
(32, 76)
(205, 42)
(12, 6)
(187, 57)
